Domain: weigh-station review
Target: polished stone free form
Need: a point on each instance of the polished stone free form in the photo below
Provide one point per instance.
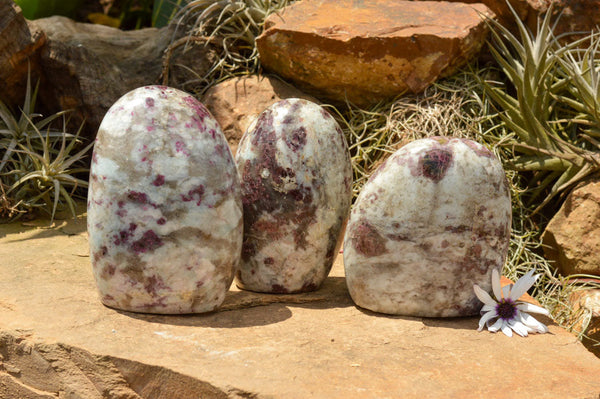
(164, 205)
(296, 190)
(433, 220)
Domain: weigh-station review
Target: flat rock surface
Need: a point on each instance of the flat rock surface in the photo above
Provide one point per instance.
(326, 47)
(310, 345)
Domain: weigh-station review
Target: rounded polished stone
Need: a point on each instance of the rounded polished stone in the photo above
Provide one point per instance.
(296, 190)
(164, 205)
(433, 220)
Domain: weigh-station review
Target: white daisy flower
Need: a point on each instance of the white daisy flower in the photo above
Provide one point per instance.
(507, 309)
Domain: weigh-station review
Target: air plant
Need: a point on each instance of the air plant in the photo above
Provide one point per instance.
(35, 168)
(41, 179)
(232, 25)
(15, 131)
(541, 141)
(581, 68)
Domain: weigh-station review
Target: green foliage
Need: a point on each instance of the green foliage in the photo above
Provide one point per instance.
(33, 9)
(135, 14)
(552, 114)
(37, 168)
(15, 131)
(164, 11)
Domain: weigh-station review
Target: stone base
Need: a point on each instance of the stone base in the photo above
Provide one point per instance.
(316, 345)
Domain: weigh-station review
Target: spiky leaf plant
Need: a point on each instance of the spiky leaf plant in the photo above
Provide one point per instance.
(42, 179)
(541, 141)
(15, 131)
(233, 25)
(36, 167)
(581, 68)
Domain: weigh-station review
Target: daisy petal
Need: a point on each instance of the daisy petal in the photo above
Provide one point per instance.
(483, 296)
(506, 330)
(530, 322)
(496, 284)
(484, 319)
(506, 291)
(518, 327)
(496, 326)
(487, 308)
(522, 285)
(530, 308)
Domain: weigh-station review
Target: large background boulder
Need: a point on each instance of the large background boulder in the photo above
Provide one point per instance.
(579, 16)
(585, 317)
(88, 67)
(572, 238)
(367, 51)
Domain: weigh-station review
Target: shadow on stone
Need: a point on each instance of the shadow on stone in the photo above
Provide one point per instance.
(385, 316)
(242, 318)
(455, 323)
(60, 227)
(245, 308)
(470, 323)
(64, 224)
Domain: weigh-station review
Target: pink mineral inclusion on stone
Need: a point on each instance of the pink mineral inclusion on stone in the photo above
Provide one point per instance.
(137, 197)
(123, 236)
(149, 102)
(435, 163)
(197, 192)
(153, 284)
(149, 242)
(159, 181)
(200, 113)
(180, 147)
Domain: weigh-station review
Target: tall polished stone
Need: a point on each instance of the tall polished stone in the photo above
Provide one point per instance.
(164, 205)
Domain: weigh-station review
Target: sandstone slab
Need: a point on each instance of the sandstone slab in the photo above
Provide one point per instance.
(334, 49)
(313, 345)
(502, 10)
(572, 238)
(237, 102)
